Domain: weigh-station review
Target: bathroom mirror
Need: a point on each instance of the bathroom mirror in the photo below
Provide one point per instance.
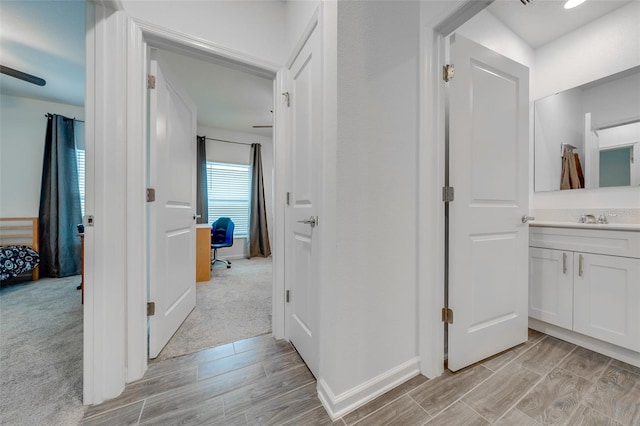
(589, 136)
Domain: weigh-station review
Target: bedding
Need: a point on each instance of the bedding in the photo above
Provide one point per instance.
(16, 260)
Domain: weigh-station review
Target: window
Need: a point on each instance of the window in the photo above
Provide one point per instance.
(228, 192)
(80, 160)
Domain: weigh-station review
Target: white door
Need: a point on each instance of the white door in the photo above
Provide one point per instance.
(172, 225)
(302, 242)
(488, 168)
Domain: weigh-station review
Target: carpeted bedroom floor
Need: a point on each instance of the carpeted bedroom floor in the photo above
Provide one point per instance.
(233, 305)
(41, 353)
(41, 337)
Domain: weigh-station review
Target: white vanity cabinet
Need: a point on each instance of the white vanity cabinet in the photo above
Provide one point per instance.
(588, 281)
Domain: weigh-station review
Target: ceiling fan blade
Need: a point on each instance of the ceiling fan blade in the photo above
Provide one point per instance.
(262, 127)
(22, 76)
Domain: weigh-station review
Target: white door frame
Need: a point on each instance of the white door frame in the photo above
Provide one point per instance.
(142, 34)
(431, 168)
(115, 322)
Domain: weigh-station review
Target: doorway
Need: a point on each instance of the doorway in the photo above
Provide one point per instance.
(234, 111)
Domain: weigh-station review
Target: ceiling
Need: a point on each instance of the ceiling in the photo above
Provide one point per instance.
(226, 98)
(46, 38)
(542, 21)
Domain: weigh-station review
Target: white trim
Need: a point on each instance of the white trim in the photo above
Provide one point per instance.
(617, 352)
(136, 219)
(431, 168)
(339, 405)
(105, 243)
(311, 25)
(169, 39)
(280, 173)
(115, 322)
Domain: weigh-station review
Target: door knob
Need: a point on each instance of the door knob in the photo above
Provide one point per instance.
(313, 221)
(197, 216)
(526, 218)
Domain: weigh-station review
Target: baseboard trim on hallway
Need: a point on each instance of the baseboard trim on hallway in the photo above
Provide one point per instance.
(339, 405)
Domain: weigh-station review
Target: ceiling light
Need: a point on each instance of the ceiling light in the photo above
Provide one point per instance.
(570, 4)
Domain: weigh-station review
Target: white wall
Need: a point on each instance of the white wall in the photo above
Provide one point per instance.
(374, 275)
(606, 46)
(256, 28)
(489, 31)
(22, 132)
(240, 154)
(603, 47)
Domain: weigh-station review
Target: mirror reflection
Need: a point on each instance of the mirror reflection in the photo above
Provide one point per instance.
(589, 136)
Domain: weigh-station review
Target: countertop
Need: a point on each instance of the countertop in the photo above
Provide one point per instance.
(602, 226)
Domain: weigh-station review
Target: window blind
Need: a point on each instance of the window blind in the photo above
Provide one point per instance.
(80, 161)
(228, 191)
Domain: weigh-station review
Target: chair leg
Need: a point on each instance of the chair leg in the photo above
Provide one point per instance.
(216, 259)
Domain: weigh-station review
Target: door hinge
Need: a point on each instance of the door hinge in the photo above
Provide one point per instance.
(287, 98)
(447, 194)
(151, 309)
(151, 195)
(88, 220)
(288, 198)
(447, 72)
(447, 315)
(151, 81)
(287, 295)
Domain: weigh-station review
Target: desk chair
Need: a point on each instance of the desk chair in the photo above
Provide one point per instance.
(221, 236)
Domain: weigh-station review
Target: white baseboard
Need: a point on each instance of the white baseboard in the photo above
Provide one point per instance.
(616, 352)
(339, 405)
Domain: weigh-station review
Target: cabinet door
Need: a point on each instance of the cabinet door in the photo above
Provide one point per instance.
(607, 298)
(551, 286)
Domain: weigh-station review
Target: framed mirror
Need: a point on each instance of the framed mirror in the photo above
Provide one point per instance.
(589, 136)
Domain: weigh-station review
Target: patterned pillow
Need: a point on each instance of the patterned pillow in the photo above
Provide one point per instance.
(15, 260)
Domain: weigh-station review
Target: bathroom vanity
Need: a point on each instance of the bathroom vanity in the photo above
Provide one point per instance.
(584, 285)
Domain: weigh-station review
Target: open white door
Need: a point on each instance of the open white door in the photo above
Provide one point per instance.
(489, 170)
(172, 224)
(301, 227)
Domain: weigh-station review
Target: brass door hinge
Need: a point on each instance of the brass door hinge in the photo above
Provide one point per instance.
(447, 315)
(151, 309)
(151, 195)
(151, 81)
(287, 296)
(288, 198)
(447, 194)
(447, 72)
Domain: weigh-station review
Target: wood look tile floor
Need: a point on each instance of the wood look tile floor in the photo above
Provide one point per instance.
(261, 381)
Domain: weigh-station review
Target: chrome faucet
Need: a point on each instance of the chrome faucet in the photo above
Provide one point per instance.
(587, 218)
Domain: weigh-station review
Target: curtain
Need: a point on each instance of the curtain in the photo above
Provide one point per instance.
(258, 233)
(60, 211)
(202, 199)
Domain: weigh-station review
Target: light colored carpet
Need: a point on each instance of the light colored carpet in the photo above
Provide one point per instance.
(41, 353)
(234, 305)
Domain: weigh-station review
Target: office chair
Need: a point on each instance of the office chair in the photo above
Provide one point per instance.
(221, 236)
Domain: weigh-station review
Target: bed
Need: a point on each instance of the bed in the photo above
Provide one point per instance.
(19, 256)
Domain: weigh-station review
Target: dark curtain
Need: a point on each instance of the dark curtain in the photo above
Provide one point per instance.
(202, 199)
(258, 232)
(59, 201)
